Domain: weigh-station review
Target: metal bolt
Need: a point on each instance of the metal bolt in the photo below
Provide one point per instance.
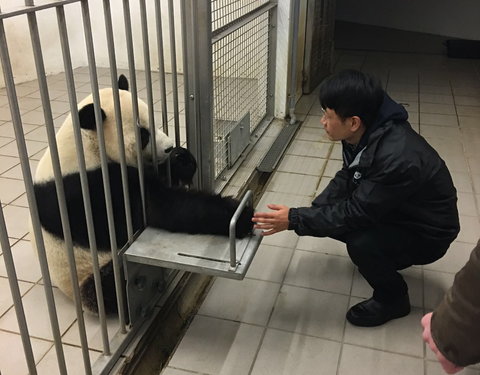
(140, 282)
(192, 97)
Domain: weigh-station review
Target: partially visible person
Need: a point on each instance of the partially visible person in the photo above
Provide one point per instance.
(393, 203)
(452, 331)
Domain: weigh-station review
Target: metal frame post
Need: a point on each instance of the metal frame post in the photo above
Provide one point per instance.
(200, 86)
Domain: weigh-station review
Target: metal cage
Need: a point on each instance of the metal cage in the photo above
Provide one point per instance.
(203, 67)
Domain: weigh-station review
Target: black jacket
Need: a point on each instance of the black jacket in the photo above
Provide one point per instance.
(392, 177)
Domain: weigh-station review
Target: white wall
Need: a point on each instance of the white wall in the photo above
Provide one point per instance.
(459, 18)
(21, 54)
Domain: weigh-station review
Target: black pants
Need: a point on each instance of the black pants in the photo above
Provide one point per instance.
(379, 252)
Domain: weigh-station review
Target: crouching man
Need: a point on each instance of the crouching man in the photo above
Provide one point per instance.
(393, 203)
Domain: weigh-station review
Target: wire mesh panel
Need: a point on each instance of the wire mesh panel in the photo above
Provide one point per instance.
(226, 11)
(240, 81)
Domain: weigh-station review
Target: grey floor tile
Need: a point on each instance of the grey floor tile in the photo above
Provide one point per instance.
(456, 163)
(311, 149)
(464, 110)
(467, 100)
(284, 353)
(93, 331)
(303, 165)
(436, 98)
(174, 371)
(438, 119)
(310, 312)
(6, 301)
(462, 182)
(35, 305)
(436, 284)
(12, 358)
(10, 189)
(16, 220)
(293, 184)
(356, 360)
(333, 166)
(217, 347)
(246, 301)
(323, 245)
(469, 229)
(73, 359)
(466, 204)
(7, 130)
(455, 258)
(432, 131)
(469, 121)
(318, 271)
(270, 263)
(26, 262)
(33, 147)
(402, 336)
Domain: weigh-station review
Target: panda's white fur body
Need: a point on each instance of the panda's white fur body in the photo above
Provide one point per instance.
(169, 208)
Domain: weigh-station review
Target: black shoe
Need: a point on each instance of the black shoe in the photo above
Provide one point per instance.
(372, 313)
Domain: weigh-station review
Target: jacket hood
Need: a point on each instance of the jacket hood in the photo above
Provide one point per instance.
(389, 111)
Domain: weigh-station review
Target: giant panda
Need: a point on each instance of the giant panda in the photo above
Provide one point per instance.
(170, 208)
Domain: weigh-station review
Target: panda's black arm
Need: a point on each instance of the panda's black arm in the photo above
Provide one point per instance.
(194, 212)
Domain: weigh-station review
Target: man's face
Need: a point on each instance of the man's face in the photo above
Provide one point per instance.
(336, 128)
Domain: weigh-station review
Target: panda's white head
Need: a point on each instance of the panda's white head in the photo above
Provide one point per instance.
(88, 124)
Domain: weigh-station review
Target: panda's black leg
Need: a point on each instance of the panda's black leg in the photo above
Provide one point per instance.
(89, 295)
(194, 212)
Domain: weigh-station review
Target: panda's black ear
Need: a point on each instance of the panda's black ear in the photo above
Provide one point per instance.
(87, 117)
(123, 82)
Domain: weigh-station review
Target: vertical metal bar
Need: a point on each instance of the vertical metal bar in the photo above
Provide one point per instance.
(161, 65)
(295, 12)
(148, 80)
(186, 84)
(173, 57)
(118, 117)
(16, 296)
(27, 177)
(272, 48)
(103, 158)
(133, 84)
(83, 176)
(200, 76)
(38, 57)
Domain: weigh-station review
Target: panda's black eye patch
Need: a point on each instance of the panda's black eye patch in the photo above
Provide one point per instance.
(145, 137)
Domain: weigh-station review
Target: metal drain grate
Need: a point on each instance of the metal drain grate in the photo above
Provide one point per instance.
(273, 155)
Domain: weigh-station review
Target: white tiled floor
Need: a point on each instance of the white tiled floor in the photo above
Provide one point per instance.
(15, 209)
(288, 315)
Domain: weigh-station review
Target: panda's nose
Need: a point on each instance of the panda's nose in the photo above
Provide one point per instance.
(167, 150)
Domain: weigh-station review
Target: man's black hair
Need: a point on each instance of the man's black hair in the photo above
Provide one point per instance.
(352, 93)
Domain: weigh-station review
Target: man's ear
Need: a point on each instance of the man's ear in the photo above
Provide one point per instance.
(356, 123)
(87, 117)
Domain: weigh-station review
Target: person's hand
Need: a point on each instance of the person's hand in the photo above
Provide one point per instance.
(449, 367)
(272, 222)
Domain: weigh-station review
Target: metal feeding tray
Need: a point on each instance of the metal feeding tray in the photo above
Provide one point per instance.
(214, 255)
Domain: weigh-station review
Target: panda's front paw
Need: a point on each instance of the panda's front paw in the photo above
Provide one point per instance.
(244, 223)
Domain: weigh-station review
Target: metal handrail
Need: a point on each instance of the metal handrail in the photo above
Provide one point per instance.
(247, 198)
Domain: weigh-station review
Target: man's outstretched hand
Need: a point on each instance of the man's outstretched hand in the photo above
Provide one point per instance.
(272, 222)
(448, 367)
